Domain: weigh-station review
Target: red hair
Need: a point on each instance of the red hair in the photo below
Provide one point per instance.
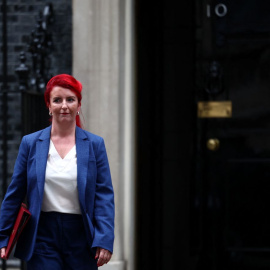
(65, 81)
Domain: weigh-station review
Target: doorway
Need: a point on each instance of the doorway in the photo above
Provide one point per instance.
(230, 199)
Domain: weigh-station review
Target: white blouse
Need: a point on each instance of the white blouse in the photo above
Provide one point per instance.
(60, 190)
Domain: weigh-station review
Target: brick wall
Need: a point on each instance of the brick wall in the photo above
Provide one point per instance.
(21, 20)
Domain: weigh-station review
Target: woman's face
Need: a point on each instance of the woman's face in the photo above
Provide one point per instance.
(64, 105)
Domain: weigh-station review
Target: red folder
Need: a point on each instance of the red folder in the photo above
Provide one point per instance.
(21, 220)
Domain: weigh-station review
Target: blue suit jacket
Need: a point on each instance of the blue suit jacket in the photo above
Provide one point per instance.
(94, 187)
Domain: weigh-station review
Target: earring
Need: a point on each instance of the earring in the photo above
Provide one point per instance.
(78, 113)
(50, 113)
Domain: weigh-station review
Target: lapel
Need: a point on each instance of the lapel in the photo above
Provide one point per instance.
(42, 149)
(85, 155)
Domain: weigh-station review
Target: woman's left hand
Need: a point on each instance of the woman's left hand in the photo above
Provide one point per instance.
(103, 256)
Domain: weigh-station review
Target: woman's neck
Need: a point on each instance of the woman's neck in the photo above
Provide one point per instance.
(63, 131)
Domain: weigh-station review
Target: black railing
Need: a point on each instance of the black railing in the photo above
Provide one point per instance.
(34, 114)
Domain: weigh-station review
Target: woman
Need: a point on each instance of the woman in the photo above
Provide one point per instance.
(64, 173)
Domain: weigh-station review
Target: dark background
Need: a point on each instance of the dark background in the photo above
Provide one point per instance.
(21, 20)
(199, 208)
(166, 129)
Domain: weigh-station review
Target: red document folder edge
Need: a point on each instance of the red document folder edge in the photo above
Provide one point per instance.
(21, 220)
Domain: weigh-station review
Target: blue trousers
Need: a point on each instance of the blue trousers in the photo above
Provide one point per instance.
(61, 244)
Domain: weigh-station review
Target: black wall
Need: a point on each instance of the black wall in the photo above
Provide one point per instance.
(21, 20)
(166, 114)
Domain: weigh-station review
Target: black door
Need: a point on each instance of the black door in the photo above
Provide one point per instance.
(231, 190)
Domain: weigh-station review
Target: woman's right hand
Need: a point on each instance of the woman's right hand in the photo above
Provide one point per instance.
(3, 253)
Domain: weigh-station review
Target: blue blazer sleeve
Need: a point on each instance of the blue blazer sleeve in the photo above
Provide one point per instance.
(104, 202)
(15, 194)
